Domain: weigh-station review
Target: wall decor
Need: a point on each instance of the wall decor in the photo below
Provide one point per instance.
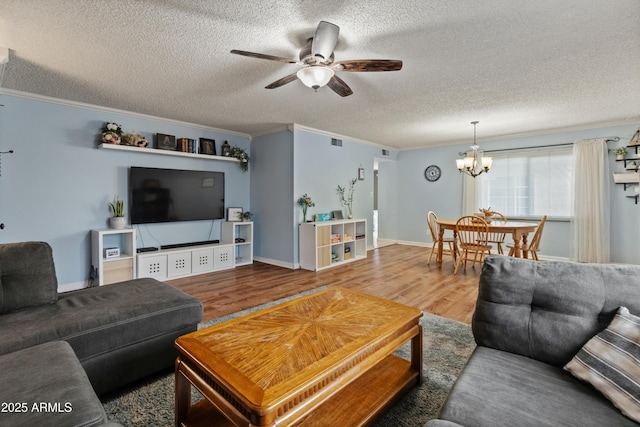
(432, 173)
(226, 149)
(361, 174)
(166, 142)
(208, 146)
(234, 214)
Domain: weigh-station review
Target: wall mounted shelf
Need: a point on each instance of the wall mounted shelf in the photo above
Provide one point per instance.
(167, 152)
(631, 176)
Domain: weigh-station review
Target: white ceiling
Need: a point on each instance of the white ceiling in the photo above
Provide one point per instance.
(517, 66)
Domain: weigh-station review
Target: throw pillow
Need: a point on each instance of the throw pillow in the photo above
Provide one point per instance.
(610, 362)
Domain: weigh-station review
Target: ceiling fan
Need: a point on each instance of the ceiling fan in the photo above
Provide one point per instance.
(316, 60)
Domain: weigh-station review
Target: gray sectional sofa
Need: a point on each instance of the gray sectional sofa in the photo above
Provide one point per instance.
(117, 333)
(532, 318)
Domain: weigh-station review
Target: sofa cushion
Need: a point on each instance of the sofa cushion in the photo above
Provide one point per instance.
(548, 311)
(610, 362)
(101, 320)
(28, 276)
(501, 388)
(45, 385)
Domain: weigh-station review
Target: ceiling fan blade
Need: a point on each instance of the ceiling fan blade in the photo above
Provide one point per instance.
(339, 86)
(358, 65)
(263, 56)
(325, 40)
(283, 81)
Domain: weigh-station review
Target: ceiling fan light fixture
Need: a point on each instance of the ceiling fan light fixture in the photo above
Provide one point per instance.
(315, 77)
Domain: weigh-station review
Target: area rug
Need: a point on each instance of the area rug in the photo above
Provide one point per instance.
(447, 345)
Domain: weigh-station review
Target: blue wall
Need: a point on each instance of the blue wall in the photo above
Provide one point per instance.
(320, 167)
(57, 185)
(272, 187)
(417, 196)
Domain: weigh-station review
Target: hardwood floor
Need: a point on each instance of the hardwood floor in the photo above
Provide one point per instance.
(397, 272)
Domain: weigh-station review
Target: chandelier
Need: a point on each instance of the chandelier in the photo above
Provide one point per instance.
(474, 163)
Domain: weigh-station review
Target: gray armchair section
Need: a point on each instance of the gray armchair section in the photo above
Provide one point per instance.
(119, 333)
(531, 318)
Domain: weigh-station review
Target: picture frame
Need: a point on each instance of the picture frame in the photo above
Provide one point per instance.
(233, 214)
(361, 174)
(166, 142)
(208, 146)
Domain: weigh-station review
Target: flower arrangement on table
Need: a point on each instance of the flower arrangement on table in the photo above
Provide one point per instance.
(306, 202)
(487, 212)
(111, 133)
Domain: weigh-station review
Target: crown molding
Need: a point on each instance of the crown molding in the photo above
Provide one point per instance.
(296, 126)
(109, 110)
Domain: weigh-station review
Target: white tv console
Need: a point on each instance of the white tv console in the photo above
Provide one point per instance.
(167, 264)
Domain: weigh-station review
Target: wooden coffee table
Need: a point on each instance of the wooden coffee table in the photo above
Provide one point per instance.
(319, 360)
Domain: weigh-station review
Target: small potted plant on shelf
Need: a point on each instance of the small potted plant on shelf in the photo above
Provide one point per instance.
(348, 201)
(620, 152)
(245, 216)
(242, 156)
(305, 202)
(117, 220)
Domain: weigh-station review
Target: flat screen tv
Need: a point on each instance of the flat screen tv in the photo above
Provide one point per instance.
(167, 195)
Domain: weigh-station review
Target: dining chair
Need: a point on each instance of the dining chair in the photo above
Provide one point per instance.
(496, 237)
(472, 233)
(533, 246)
(435, 237)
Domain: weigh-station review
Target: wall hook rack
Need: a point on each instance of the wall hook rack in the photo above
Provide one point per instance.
(1, 153)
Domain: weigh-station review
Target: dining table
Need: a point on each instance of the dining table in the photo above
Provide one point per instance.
(519, 230)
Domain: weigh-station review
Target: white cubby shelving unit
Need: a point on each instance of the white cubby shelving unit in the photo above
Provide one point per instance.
(120, 268)
(241, 235)
(187, 261)
(168, 264)
(332, 243)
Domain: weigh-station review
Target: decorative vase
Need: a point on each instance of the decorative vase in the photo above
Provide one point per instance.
(350, 215)
(304, 213)
(620, 156)
(117, 222)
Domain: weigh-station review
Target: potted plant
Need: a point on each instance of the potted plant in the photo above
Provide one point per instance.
(117, 220)
(306, 202)
(241, 155)
(245, 216)
(347, 201)
(620, 152)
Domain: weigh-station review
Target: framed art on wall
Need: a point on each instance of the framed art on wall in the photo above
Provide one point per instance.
(208, 146)
(166, 142)
(234, 214)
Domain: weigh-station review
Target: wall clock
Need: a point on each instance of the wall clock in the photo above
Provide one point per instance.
(432, 173)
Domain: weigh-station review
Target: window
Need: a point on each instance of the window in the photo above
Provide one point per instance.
(528, 183)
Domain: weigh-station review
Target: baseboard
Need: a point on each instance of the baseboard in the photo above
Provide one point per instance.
(68, 287)
(411, 243)
(277, 263)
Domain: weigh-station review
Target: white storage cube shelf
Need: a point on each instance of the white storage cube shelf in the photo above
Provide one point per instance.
(184, 262)
(191, 260)
(332, 243)
(113, 269)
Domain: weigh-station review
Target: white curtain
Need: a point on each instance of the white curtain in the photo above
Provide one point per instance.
(590, 220)
(469, 195)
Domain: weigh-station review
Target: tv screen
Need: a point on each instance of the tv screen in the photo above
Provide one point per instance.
(166, 195)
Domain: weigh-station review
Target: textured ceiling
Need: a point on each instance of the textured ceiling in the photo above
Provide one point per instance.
(517, 66)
